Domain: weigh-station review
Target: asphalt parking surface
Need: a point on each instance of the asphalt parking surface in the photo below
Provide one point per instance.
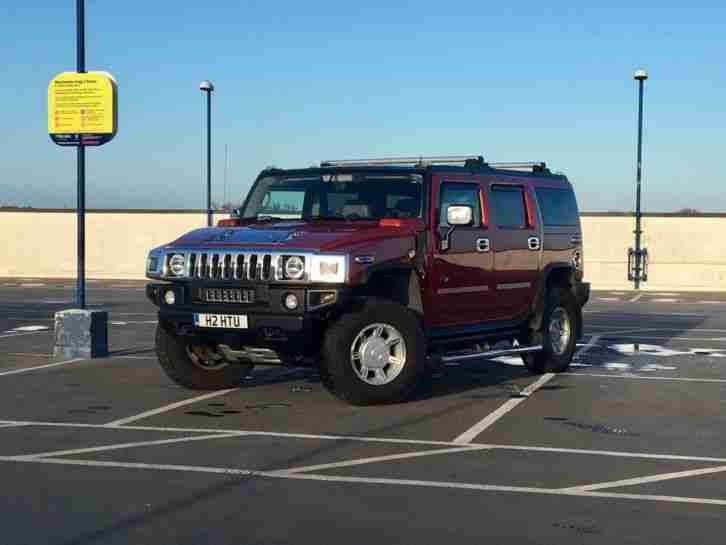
(627, 446)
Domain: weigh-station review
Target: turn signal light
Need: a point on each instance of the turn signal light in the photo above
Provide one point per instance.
(231, 222)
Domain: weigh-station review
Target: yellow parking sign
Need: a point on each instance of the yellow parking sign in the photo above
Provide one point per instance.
(82, 108)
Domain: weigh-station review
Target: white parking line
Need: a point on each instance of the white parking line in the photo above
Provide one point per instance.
(643, 377)
(30, 328)
(366, 480)
(167, 408)
(489, 420)
(367, 439)
(469, 435)
(35, 368)
(375, 459)
(11, 334)
(120, 446)
(636, 298)
(664, 300)
(650, 479)
(645, 316)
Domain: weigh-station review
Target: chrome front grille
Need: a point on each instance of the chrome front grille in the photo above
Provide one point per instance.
(233, 266)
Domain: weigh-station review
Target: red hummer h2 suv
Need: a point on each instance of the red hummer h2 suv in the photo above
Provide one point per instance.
(376, 271)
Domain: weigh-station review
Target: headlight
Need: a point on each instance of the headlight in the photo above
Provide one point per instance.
(328, 268)
(294, 267)
(176, 264)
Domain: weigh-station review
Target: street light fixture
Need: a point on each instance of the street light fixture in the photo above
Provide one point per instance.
(638, 270)
(208, 87)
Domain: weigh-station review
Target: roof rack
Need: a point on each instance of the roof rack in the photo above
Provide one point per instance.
(527, 167)
(466, 160)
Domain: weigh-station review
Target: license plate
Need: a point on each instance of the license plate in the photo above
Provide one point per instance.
(221, 321)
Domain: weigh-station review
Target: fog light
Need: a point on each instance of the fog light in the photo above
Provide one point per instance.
(169, 297)
(291, 301)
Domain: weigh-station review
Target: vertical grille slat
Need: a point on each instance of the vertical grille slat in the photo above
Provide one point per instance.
(252, 267)
(266, 266)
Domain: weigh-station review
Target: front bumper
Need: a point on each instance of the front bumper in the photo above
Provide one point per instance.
(269, 324)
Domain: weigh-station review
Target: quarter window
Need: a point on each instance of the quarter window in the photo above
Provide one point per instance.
(509, 207)
(558, 206)
(460, 193)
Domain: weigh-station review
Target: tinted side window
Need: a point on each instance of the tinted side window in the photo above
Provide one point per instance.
(509, 206)
(459, 193)
(558, 206)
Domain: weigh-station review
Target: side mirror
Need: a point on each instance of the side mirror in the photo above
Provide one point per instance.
(459, 215)
(456, 214)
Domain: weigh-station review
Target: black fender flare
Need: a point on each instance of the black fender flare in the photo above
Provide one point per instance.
(558, 271)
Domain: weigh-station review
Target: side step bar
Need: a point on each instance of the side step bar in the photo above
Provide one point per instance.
(491, 353)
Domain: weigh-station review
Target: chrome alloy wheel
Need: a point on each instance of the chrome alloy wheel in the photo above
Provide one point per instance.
(378, 354)
(560, 330)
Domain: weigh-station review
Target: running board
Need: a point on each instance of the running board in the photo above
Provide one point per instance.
(491, 353)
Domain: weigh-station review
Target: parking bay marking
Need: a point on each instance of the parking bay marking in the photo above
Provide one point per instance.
(469, 435)
(375, 459)
(648, 479)
(364, 439)
(136, 444)
(489, 420)
(366, 480)
(166, 408)
(172, 406)
(35, 368)
(642, 377)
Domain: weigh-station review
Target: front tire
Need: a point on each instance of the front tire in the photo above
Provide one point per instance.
(559, 334)
(187, 366)
(374, 355)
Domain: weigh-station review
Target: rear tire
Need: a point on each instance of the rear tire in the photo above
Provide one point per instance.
(559, 334)
(177, 363)
(374, 355)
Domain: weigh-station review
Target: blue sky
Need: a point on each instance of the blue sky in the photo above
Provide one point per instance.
(298, 82)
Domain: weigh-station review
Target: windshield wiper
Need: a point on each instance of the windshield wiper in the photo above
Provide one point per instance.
(269, 218)
(338, 218)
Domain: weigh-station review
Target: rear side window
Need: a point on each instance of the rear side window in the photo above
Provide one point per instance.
(558, 206)
(460, 193)
(509, 207)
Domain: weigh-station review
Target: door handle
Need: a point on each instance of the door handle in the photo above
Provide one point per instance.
(533, 243)
(575, 239)
(483, 245)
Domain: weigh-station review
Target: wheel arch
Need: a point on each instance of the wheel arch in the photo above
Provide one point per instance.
(554, 274)
(396, 282)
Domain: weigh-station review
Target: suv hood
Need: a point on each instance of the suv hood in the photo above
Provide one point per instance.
(298, 235)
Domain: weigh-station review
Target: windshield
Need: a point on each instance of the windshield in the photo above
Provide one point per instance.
(357, 196)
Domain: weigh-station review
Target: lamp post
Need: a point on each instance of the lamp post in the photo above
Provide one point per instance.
(640, 76)
(207, 87)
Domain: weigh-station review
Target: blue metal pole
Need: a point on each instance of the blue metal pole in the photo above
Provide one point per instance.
(209, 158)
(81, 206)
(638, 231)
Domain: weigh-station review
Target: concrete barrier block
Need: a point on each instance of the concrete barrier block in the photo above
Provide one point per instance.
(80, 334)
